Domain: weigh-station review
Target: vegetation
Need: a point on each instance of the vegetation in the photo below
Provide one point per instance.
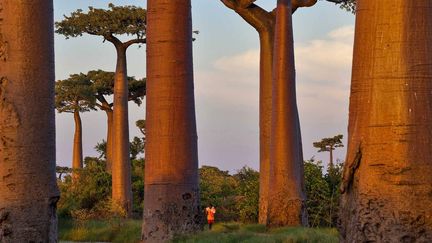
(110, 24)
(235, 232)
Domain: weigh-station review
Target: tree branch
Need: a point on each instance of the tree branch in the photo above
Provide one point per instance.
(302, 3)
(256, 16)
(134, 41)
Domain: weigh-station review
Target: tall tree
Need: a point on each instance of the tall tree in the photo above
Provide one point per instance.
(387, 180)
(103, 86)
(286, 205)
(28, 189)
(171, 197)
(264, 23)
(117, 20)
(75, 95)
(328, 145)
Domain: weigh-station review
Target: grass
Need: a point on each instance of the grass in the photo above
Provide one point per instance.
(254, 233)
(129, 232)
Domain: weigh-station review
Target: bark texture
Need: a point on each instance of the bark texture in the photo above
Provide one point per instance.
(171, 197)
(264, 23)
(77, 157)
(28, 190)
(286, 205)
(121, 167)
(387, 183)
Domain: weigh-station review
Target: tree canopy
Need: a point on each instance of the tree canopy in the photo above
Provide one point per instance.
(117, 20)
(74, 94)
(328, 144)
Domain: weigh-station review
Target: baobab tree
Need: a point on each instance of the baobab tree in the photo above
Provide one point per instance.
(328, 145)
(171, 196)
(103, 87)
(286, 205)
(264, 23)
(109, 24)
(387, 182)
(75, 95)
(28, 189)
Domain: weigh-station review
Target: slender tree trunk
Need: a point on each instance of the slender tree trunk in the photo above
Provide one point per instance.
(331, 157)
(387, 183)
(77, 157)
(109, 140)
(171, 196)
(266, 65)
(286, 205)
(121, 167)
(28, 189)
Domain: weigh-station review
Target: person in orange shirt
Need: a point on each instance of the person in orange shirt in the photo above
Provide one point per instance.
(210, 211)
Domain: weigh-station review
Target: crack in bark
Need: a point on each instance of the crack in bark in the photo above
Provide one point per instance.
(351, 168)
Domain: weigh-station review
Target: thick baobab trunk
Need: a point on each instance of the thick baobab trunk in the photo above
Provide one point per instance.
(171, 196)
(77, 157)
(28, 190)
(387, 183)
(109, 141)
(121, 167)
(266, 64)
(286, 205)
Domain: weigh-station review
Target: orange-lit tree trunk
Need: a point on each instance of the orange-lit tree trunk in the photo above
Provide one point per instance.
(77, 157)
(387, 183)
(109, 141)
(171, 196)
(28, 190)
(264, 23)
(286, 205)
(121, 167)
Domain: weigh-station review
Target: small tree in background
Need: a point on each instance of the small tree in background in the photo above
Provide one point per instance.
(328, 145)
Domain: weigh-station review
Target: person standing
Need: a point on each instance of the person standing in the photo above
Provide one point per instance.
(210, 211)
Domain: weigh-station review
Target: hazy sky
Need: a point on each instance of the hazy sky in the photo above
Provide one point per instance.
(226, 80)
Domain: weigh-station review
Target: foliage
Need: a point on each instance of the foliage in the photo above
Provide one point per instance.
(74, 94)
(322, 193)
(103, 86)
(247, 202)
(89, 194)
(329, 144)
(235, 232)
(136, 147)
(117, 20)
(218, 188)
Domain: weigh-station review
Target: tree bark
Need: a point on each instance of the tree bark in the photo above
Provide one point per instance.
(286, 205)
(77, 157)
(387, 180)
(171, 196)
(28, 189)
(265, 111)
(121, 167)
(109, 141)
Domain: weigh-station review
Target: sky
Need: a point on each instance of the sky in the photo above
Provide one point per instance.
(226, 58)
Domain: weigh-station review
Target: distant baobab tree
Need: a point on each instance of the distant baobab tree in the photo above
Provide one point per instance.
(264, 23)
(387, 182)
(74, 95)
(328, 145)
(171, 193)
(103, 87)
(28, 188)
(109, 24)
